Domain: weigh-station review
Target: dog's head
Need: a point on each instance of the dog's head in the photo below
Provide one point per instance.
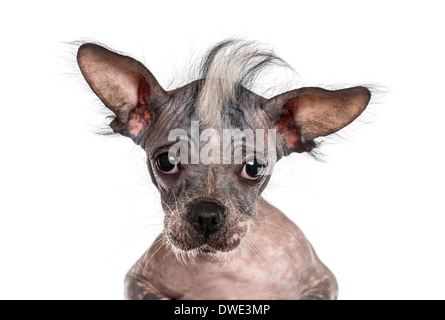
(212, 144)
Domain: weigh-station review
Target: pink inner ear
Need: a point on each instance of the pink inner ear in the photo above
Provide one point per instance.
(286, 127)
(288, 130)
(139, 117)
(143, 99)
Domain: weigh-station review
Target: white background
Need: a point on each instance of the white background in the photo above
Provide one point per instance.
(78, 209)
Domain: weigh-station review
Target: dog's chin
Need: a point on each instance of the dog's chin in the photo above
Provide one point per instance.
(206, 249)
(206, 246)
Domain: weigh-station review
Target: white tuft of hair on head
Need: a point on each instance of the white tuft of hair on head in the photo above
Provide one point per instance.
(227, 66)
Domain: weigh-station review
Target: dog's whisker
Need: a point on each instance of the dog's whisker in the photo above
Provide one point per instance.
(146, 231)
(294, 236)
(251, 247)
(169, 252)
(168, 207)
(234, 269)
(160, 240)
(281, 249)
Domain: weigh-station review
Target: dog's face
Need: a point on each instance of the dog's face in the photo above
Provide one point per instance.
(211, 145)
(210, 186)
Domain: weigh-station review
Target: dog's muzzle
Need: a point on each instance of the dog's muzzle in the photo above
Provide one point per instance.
(206, 216)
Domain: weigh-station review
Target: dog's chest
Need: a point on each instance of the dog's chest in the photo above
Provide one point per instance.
(253, 274)
(245, 284)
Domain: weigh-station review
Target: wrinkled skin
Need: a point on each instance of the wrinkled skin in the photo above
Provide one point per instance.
(221, 239)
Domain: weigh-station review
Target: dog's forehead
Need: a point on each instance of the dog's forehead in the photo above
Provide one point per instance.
(187, 103)
(177, 121)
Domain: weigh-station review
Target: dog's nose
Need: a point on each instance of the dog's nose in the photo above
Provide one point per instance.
(207, 216)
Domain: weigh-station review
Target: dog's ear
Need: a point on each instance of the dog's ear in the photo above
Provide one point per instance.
(124, 85)
(304, 114)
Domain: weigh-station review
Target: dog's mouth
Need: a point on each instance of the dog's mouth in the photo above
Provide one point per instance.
(185, 238)
(221, 242)
(207, 226)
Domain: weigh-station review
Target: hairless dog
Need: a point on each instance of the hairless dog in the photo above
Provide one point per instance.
(211, 147)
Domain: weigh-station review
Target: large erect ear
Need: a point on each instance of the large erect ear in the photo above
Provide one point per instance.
(304, 114)
(124, 85)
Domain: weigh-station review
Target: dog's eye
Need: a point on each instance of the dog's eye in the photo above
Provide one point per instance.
(253, 170)
(167, 163)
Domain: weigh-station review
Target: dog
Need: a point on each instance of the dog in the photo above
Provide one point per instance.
(211, 147)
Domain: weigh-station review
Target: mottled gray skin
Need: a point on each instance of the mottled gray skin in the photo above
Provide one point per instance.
(273, 261)
(256, 252)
